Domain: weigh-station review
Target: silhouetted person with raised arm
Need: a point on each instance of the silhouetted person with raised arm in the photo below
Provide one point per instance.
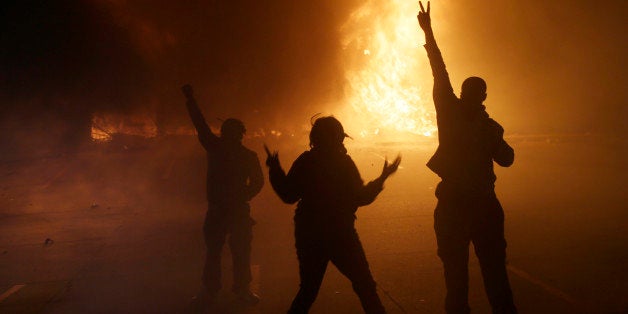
(329, 189)
(234, 177)
(467, 209)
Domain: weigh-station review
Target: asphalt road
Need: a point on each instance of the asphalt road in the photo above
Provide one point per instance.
(116, 228)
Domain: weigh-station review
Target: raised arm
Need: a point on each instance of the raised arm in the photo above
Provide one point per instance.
(442, 84)
(369, 192)
(283, 184)
(205, 135)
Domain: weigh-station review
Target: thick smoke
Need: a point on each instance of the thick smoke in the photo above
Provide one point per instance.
(554, 66)
(551, 66)
(260, 61)
(270, 63)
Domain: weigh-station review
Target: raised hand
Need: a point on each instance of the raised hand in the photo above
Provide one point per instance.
(424, 17)
(188, 91)
(390, 168)
(272, 158)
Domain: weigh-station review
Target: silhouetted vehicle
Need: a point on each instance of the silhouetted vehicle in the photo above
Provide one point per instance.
(467, 209)
(234, 177)
(329, 189)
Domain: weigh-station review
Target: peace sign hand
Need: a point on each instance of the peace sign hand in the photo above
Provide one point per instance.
(424, 17)
(272, 158)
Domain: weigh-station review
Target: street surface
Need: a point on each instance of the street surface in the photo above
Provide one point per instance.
(116, 228)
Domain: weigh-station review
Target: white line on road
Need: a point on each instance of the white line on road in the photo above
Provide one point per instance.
(11, 291)
(551, 290)
(54, 178)
(393, 300)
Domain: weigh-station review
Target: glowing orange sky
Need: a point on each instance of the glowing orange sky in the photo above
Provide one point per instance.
(551, 66)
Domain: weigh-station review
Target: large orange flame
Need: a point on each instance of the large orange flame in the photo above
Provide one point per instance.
(386, 85)
(106, 125)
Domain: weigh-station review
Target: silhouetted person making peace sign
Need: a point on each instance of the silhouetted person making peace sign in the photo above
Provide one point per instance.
(329, 189)
(234, 177)
(467, 209)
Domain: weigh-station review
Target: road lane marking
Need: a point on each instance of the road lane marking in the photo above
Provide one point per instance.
(551, 290)
(393, 300)
(11, 291)
(58, 175)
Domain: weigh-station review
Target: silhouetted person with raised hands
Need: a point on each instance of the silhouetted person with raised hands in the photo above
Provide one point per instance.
(467, 209)
(234, 177)
(326, 183)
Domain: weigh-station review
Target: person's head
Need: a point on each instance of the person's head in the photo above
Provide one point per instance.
(327, 133)
(473, 90)
(232, 130)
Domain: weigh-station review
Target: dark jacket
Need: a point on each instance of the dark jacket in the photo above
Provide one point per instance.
(469, 140)
(328, 187)
(234, 174)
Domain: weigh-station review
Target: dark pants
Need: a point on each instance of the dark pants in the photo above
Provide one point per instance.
(315, 249)
(239, 228)
(463, 217)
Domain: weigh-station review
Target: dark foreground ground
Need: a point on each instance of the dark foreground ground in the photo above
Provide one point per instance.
(117, 229)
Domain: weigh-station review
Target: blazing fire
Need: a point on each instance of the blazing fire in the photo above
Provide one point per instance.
(382, 53)
(106, 125)
(388, 79)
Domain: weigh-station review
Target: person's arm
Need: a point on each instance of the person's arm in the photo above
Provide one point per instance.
(256, 178)
(368, 192)
(283, 184)
(205, 135)
(442, 84)
(503, 154)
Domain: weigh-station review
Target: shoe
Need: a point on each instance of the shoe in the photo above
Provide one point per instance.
(203, 300)
(247, 297)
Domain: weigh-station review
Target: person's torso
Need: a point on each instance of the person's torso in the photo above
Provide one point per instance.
(329, 188)
(463, 154)
(228, 172)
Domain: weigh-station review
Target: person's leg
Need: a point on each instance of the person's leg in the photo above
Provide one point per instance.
(313, 260)
(451, 224)
(215, 234)
(240, 244)
(348, 256)
(490, 248)
(454, 253)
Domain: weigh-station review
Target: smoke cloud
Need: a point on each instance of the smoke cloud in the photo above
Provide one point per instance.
(556, 66)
